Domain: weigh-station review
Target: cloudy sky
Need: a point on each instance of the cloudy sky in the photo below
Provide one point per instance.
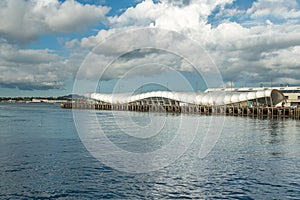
(43, 43)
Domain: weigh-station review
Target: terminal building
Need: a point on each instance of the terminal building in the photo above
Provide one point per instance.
(211, 97)
(255, 102)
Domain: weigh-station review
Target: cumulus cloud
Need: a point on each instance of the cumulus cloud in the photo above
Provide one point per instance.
(23, 21)
(276, 9)
(249, 46)
(152, 61)
(242, 50)
(29, 69)
(260, 54)
(167, 14)
(152, 48)
(190, 19)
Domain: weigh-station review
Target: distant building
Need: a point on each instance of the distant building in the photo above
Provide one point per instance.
(37, 100)
(47, 101)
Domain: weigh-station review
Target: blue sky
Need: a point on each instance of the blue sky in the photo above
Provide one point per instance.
(43, 43)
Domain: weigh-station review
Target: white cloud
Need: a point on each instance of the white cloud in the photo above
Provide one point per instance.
(190, 19)
(154, 61)
(23, 21)
(33, 69)
(244, 53)
(168, 15)
(141, 15)
(72, 16)
(239, 51)
(12, 54)
(277, 61)
(92, 41)
(277, 9)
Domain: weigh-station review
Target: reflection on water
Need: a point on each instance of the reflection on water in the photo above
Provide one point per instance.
(41, 156)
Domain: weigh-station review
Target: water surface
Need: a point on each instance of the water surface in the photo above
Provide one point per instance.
(42, 156)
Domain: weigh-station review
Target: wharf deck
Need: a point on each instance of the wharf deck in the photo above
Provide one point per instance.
(260, 112)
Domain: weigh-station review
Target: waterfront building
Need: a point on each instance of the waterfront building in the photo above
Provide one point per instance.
(214, 97)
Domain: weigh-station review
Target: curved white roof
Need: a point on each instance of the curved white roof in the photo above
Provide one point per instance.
(210, 98)
(227, 99)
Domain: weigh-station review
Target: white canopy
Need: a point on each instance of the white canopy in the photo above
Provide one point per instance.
(209, 98)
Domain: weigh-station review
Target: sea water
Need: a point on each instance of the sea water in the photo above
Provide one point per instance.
(43, 155)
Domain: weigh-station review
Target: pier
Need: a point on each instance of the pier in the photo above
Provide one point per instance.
(256, 112)
(262, 104)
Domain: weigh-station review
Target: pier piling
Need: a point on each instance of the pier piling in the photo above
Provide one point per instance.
(259, 112)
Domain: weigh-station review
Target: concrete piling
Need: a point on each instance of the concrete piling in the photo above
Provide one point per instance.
(259, 112)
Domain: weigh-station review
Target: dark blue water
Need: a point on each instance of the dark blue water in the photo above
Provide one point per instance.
(42, 156)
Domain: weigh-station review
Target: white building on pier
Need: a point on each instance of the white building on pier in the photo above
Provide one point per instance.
(212, 97)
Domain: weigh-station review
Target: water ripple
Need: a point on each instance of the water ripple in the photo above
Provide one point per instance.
(42, 157)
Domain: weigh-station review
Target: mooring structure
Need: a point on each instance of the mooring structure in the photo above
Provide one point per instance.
(266, 103)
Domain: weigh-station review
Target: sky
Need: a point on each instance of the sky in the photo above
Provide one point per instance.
(53, 48)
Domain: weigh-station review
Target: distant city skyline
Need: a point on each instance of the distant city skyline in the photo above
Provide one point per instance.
(44, 42)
